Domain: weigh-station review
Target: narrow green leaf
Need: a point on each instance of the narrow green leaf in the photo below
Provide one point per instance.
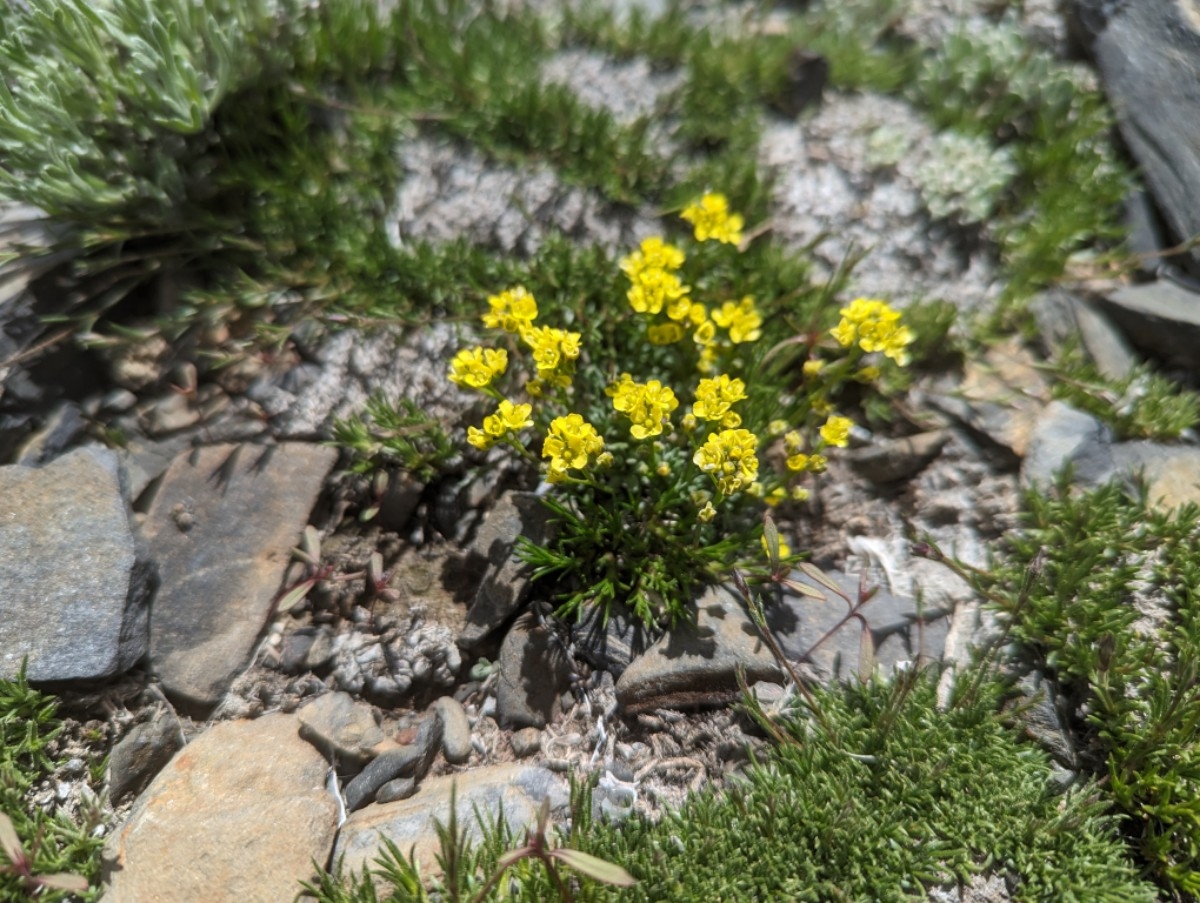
(594, 867)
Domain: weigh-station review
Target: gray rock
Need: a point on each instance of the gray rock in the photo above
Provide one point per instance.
(1148, 53)
(534, 673)
(409, 365)
(143, 461)
(1000, 396)
(611, 645)
(1161, 318)
(341, 727)
(814, 631)
(1062, 436)
(697, 664)
(891, 460)
(833, 187)
(399, 789)
(505, 583)
(58, 432)
(409, 761)
(221, 528)
(456, 730)
(240, 814)
(1062, 316)
(412, 657)
(450, 193)
(141, 754)
(73, 595)
(525, 742)
(509, 792)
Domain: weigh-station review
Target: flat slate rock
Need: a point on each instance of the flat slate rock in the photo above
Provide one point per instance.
(73, 598)
(696, 665)
(1148, 53)
(513, 792)
(239, 815)
(815, 632)
(1161, 318)
(505, 583)
(221, 528)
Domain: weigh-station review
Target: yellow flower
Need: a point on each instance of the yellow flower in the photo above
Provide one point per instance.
(513, 310)
(654, 254)
(711, 219)
(648, 405)
(817, 463)
(836, 431)
(679, 308)
(729, 458)
(664, 333)
(715, 396)
(867, 374)
(477, 367)
(793, 442)
(798, 462)
(707, 513)
(705, 333)
(551, 347)
(663, 469)
(652, 288)
(812, 367)
(799, 494)
(875, 326)
(742, 320)
(508, 418)
(478, 438)
(776, 496)
(570, 443)
(777, 427)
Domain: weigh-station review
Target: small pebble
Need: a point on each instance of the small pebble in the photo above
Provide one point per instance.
(456, 730)
(526, 742)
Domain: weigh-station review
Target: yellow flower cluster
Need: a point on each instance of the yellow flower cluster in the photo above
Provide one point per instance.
(475, 368)
(711, 430)
(741, 319)
(656, 290)
(651, 270)
(648, 405)
(554, 353)
(715, 398)
(513, 311)
(874, 326)
(571, 444)
(508, 418)
(711, 219)
(729, 458)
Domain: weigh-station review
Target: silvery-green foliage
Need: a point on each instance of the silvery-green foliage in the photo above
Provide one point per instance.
(98, 100)
(963, 176)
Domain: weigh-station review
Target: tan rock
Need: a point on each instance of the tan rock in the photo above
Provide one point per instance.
(1171, 472)
(238, 815)
(1004, 394)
